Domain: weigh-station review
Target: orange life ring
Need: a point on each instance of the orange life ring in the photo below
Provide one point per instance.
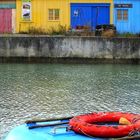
(87, 124)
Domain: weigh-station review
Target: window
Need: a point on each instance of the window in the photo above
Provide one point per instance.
(122, 14)
(119, 15)
(50, 14)
(54, 14)
(125, 14)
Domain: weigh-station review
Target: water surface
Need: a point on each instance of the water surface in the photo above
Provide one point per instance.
(56, 90)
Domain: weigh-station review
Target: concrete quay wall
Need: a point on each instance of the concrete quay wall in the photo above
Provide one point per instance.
(67, 49)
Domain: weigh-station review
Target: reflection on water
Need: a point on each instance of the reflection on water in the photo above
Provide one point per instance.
(48, 90)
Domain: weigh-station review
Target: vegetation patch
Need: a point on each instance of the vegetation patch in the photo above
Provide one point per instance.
(78, 31)
(127, 35)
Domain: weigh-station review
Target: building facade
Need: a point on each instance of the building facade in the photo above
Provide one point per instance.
(7, 16)
(21, 15)
(48, 14)
(127, 16)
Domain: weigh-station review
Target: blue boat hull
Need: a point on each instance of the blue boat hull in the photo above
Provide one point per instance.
(56, 132)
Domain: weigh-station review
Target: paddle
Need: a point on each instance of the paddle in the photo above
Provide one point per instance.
(46, 125)
(31, 123)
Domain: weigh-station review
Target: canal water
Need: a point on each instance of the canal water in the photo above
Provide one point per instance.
(30, 91)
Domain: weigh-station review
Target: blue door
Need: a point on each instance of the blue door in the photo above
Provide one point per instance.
(89, 14)
(103, 15)
(94, 17)
(81, 16)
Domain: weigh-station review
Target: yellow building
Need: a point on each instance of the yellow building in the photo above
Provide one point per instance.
(45, 14)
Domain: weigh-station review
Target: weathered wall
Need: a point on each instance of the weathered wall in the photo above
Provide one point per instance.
(70, 47)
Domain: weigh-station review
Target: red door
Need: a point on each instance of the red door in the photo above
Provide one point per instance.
(5, 20)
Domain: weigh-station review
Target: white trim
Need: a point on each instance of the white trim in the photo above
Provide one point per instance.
(13, 20)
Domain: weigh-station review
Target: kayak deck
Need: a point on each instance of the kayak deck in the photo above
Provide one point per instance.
(52, 130)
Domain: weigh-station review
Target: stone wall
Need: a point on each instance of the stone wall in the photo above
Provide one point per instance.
(69, 48)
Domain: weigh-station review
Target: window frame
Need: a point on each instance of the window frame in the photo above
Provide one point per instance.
(119, 14)
(55, 14)
(122, 16)
(125, 15)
